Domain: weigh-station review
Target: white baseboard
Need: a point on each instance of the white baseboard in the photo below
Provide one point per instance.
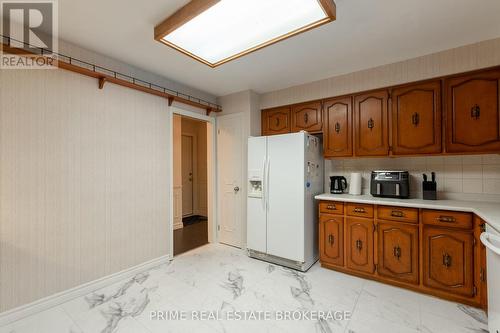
(29, 309)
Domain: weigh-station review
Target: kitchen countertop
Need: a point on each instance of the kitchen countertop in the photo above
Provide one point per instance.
(488, 211)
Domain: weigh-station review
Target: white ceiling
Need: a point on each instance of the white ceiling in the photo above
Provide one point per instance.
(367, 33)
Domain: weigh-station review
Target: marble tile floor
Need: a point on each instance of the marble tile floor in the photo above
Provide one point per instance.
(223, 279)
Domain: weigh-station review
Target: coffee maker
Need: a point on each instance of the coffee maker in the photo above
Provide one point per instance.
(338, 184)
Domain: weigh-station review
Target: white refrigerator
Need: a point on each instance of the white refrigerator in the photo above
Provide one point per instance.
(285, 172)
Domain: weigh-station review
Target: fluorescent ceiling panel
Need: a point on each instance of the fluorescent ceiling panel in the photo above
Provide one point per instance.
(232, 28)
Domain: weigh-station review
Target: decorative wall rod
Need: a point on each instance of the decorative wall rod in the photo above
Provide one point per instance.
(107, 75)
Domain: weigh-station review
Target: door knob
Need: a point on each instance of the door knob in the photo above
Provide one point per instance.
(236, 189)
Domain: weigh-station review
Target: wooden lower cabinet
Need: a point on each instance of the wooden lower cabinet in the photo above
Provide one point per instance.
(398, 251)
(359, 244)
(448, 260)
(428, 251)
(331, 233)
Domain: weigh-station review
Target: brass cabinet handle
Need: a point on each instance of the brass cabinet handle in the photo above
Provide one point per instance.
(415, 119)
(277, 121)
(371, 124)
(337, 127)
(306, 118)
(359, 245)
(482, 275)
(397, 252)
(397, 213)
(331, 239)
(446, 260)
(359, 210)
(446, 219)
(331, 207)
(475, 112)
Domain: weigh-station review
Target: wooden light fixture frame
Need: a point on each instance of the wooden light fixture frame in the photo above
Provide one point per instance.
(196, 7)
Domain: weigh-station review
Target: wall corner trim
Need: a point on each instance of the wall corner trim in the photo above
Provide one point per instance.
(46, 303)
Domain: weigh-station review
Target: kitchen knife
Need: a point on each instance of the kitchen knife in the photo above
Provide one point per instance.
(425, 177)
(433, 175)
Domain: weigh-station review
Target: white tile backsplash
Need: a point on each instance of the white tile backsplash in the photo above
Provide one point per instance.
(469, 177)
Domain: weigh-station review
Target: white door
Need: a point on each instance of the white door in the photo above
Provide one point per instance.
(187, 175)
(230, 153)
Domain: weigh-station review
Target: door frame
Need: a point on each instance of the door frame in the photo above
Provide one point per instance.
(244, 180)
(212, 174)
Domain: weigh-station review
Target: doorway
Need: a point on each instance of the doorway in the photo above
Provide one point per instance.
(190, 183)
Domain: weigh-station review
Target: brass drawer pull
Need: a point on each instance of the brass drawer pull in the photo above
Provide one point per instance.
(359, 245)
(277, 122)
(446, 260)
(331, 207)
(397, 213)
(337, 127)
(306, 118)
(397, 252)
(359, 210)
(446, 219)
(331, 239)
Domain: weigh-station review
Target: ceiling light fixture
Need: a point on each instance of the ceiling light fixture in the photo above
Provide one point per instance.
(217, 31)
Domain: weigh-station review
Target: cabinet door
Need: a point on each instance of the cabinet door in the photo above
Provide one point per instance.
(331, 239)
(473, 113)
(307, 117)
(276, 121)
(337, 129)
(371, 124)
(398, 251)
(359, 244)
(416, 119)
(448, 260)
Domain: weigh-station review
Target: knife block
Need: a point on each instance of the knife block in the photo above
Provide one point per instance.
(429, 190)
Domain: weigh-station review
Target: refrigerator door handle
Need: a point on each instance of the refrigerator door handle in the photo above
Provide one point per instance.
(267, 182)
(264, 185)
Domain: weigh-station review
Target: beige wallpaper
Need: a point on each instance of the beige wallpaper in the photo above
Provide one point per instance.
(83, 182)
(470, 57)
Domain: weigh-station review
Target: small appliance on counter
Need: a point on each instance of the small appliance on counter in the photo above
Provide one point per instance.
(338, 184)
(390, 184)
(429, 188)
(355, 184)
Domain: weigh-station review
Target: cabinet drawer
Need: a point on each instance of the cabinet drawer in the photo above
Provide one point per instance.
(360, 210)
(409, 215)
(447, 219)
(331, 207)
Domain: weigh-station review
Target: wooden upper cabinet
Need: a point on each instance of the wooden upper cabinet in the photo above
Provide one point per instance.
(307, 117)
(473, 113)
(359, 244)
(448, 260)
(337, 128)
(371, 124)
(276, 121)
(416, 119)
(398, 251)
(331, 239)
